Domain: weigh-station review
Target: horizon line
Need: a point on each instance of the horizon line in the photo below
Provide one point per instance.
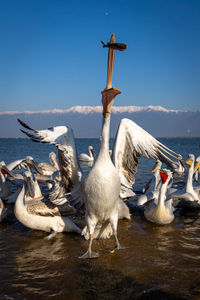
(88, 109)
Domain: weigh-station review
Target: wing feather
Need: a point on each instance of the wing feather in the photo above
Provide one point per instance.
(63, 138)
(131, 142)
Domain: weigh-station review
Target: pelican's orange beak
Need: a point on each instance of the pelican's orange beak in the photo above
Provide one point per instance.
(108, 96)
(197, 165)
(157, 168)
(189, 162)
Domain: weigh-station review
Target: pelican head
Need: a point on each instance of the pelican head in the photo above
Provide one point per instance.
(190, 160)
(32, 164)
(157, 166)
(30, 184)
(4, 169)
(197, 164)
(52, 158)
(180, 159)
(90, 148)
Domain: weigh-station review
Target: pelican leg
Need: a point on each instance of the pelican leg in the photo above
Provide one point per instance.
(51, 235)
(91, 224)
(89, 253)
(114, 222)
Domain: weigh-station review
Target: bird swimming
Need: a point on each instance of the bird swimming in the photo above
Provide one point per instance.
(40, 214)
(189, 196)
(83, 157)
(161, 212)
(49, 168)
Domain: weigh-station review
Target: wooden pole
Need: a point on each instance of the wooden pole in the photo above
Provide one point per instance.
(111, 57)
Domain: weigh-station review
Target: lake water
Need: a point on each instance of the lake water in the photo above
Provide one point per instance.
(158, 262)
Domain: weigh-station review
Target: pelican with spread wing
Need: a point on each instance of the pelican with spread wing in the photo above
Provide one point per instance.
(111, 179)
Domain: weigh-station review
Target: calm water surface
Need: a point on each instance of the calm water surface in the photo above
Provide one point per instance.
(158, 262)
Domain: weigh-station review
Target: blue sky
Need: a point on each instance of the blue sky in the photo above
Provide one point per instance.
(51, 55)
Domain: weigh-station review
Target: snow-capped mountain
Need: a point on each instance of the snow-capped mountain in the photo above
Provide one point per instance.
(86, 120)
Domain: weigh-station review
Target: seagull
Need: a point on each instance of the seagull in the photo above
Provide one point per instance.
(83, 157)
(111, 179)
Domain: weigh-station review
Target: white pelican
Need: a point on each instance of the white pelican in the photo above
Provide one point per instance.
(153, 186)
(83, 157)
(4, 188)
(162, 211)
(109, 180)
(49, 168)
(42, 214)
(27, 163)
(180, 168)
(197, 170)
(2, 211)
(190, 196)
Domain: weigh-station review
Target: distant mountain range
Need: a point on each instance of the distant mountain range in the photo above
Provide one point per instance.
(86, 120)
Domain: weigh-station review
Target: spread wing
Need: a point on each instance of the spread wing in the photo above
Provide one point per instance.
(131, 142)
(63, 138)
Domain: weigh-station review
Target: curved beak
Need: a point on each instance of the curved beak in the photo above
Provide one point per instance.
(189, 162)
(93, 153)
(196, 167)
(30, 185)
(5, 170)
(35, 166)
(156, 167)
(182, 163)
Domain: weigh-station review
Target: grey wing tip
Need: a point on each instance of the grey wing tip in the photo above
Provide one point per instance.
(24, 125)
(33, 137)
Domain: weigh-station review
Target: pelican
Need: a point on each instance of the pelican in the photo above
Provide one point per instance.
(111, 179)
(27, 163)
(49, 168)
(189, 196)
(162, 211)
(197, 170)
(153, 187)
(180, 168)
(2, 211)
(83, 157)
(4, 188)
(42, 215)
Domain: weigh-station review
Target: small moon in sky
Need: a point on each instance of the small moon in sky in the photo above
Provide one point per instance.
(106, 13)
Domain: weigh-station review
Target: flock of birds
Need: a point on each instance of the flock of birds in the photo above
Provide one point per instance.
(56, 197)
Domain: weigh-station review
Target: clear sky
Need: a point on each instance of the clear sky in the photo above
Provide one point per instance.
(51, 55)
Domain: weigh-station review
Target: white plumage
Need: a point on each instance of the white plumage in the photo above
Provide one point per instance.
(83, 157)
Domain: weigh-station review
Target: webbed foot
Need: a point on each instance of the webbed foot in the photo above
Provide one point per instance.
(51, 235)
(118, 247)
(89, 255)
